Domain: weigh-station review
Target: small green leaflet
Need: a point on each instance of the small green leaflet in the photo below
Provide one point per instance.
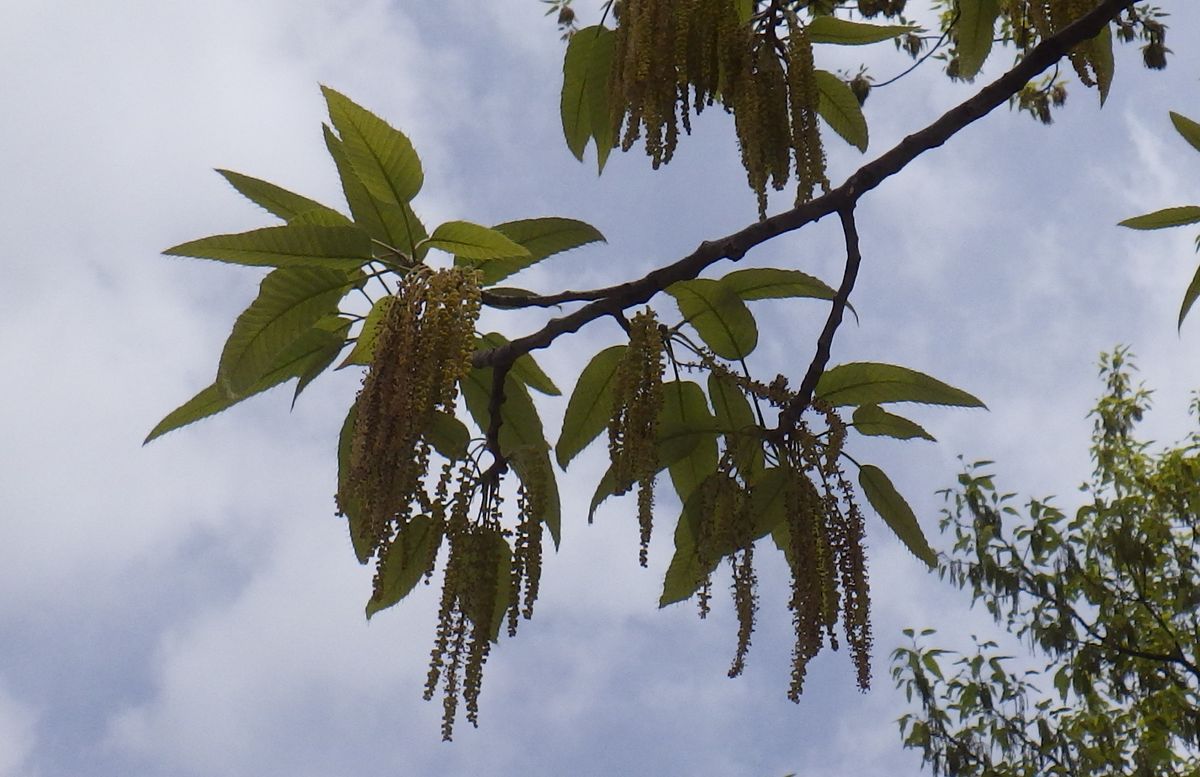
(718, 315)
(364, 346)
(830, 29)
(840, 109)
(277, 200)
(332, 330)
(1188, 129)
(895, 512)
(289, 303)
(735, 418)
(393, 225)
(1100, 55)
(874, 421)
(471, 241)
(411, 555)
(590, 405)
(382, 156)
(304, 356)
(604, 489)
(974, 32)
(524, 369)
(294, 245)
(448, 436)
(869, 383)
(584, 103)
(542, 238)
(1167, 217)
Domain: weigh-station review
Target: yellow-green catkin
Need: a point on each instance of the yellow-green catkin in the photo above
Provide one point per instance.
(633, 426)
(803, 100)
(422, 351)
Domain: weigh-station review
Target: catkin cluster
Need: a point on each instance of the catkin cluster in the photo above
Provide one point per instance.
(676, 56)
(826, 552)
(633, 426)
(422, 351)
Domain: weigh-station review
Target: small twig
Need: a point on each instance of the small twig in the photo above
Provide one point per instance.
(816, 368)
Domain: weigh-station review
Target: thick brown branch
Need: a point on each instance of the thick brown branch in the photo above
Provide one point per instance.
(616, 298)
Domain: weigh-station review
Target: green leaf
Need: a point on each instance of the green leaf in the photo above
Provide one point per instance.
(471, 241)
(584, 101)
(1189, 297)
(1188, 129)
(392, 224)
(604, 489)
(869, 383)
(596, 94)
(412, 554)
(277, 200)
(737, 422)
(332, 330)
(294, 245)
(895, 512)
(874, 421)
(974, 33)
(1167, 217)
(297, 360)
(1100, 55)
(772, 283)
(685, 574)
(347, 505)
(321, 217)
(524, 369)
(830, 29)
(718, 315)
(687, 436)
(383, 157)
(840, 109)
(521, 437)
(448, 436)
(364, 346)
(289, 302)
(590, 405)
(542, 238)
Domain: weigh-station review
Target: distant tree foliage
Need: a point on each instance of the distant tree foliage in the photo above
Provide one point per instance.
(1108, 597)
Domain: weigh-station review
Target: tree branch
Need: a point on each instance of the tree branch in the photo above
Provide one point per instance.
(617, 298)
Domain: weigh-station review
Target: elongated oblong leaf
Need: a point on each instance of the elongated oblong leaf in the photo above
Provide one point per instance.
(974, 33)
(294, 245)
(895, 512)
(471, 241)
(347, 504)
(330, 332)
(687, 436)
(382, 156)
(830, 29)
(364, 346)
(718, 315)
(874, 421)
(596, 93)
(1100, 55)
(275, 199)
(1189, 297)
(392, 224)
(773, 283)
(289, 303)
(541, 237)
(870, 383)
(1188, 129)
(412, 554)
(590, 405)
(307, 354)
(840, 109)
(584, 101)
(1167, 217)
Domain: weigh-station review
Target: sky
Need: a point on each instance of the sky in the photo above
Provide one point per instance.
(193, 607)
